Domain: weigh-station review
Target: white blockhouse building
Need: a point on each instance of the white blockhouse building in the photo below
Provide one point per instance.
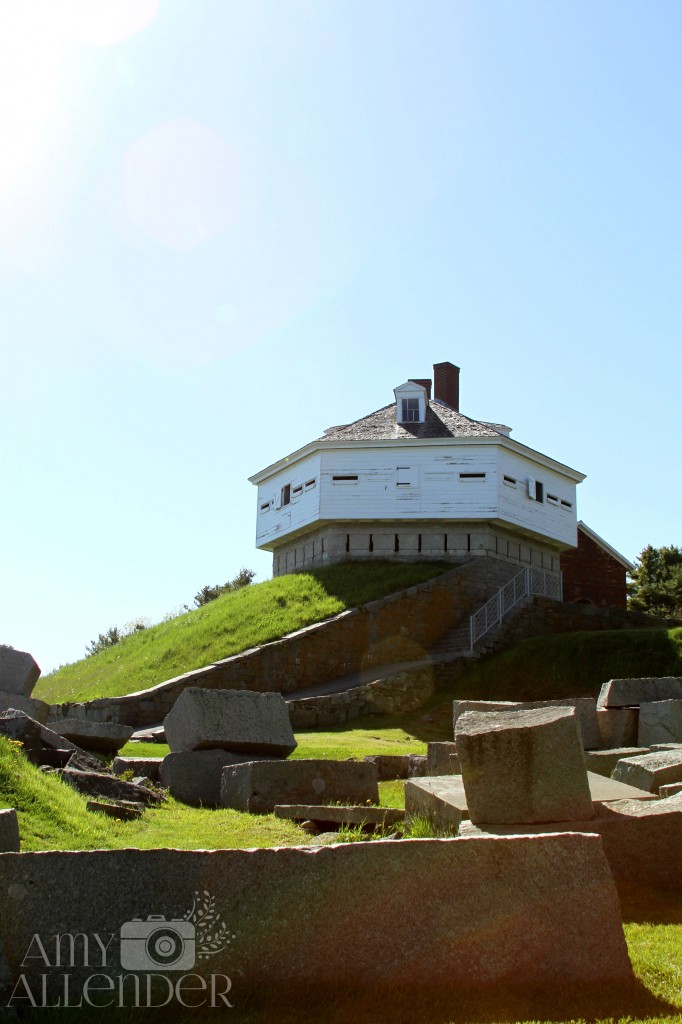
(416, 480)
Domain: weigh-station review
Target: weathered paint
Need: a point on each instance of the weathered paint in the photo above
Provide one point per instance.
(424, 482)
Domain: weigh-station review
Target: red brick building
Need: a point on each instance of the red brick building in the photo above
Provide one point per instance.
(594, 572)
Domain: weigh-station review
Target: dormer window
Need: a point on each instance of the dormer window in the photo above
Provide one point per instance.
(410, 410)
(411, 401)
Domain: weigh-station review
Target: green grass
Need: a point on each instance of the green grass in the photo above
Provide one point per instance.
(227, 626)
(52, 816)
(572, 664)
(336, 744)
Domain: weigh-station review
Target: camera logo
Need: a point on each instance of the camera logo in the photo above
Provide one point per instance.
(157, 943)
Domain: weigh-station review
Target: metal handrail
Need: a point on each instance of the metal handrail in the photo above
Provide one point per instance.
(527, 583)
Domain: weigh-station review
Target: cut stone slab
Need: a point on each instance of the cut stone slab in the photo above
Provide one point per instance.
(602, 762)
(9, 831)
(82, 761)
(669, 789)
(660, 721)
(390, 766)
(417, 765)
(155, 734)
(241, 721)
(523, 766)
(107, 786)
(107, 737)
(37, 739)
(536, 912)
(50, 758)
(665, 746)
(618, 727)
(37, 709)
(19, 671)
(441, 800)
(650, 771)
(122, 811)
(586, 710)
(607, 790)
(323, 816)
(442, 759)
(148, 766)
(194, 776)
(642, 839)
(624, 693)
(258, 786)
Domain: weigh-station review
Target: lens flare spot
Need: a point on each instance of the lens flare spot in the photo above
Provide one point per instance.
(182, 184)
(107, 22)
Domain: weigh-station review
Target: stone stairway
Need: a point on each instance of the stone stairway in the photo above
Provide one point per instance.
(455, 643)
(451, 647)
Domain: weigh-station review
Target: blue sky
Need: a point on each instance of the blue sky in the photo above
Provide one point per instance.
(227, 226)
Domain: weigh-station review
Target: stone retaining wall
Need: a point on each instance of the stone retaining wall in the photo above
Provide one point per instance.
(399, 628)
(398, 694)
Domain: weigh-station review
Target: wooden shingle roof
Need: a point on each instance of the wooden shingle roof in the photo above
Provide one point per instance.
(441, 421)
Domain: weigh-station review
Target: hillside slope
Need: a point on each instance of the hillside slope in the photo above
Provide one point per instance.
(573, 664)
(53, 816)
(227, 626)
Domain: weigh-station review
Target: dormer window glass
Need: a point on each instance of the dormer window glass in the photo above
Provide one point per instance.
(409, 410)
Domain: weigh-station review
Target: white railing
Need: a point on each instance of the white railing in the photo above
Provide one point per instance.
(527, 583)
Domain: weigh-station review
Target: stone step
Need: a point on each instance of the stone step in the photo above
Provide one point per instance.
(326, 816)
(442, 798)
(153, 734)
(107, 786)
(127, 810)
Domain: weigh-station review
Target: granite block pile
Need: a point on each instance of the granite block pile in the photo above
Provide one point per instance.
(230, 748)
(79, 768)
(527, 768)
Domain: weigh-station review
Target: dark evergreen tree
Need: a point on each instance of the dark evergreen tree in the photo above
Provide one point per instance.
(655, 584)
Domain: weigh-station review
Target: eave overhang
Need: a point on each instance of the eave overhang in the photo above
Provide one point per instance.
(432, 442)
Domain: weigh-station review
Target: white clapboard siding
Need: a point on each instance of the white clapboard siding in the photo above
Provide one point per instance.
(410, 483)
(415, 483)
(303, 509)
(516, 507)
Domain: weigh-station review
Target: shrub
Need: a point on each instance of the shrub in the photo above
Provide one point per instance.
(243, 578)
(112, 637)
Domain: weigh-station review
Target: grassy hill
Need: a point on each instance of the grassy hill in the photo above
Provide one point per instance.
(573, 664)
(227, 626)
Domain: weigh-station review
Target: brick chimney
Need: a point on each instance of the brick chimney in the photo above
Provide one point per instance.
(446, 384)
(425, 383)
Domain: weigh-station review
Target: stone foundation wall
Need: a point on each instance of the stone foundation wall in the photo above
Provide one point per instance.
(400, 628)
(408, 542)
